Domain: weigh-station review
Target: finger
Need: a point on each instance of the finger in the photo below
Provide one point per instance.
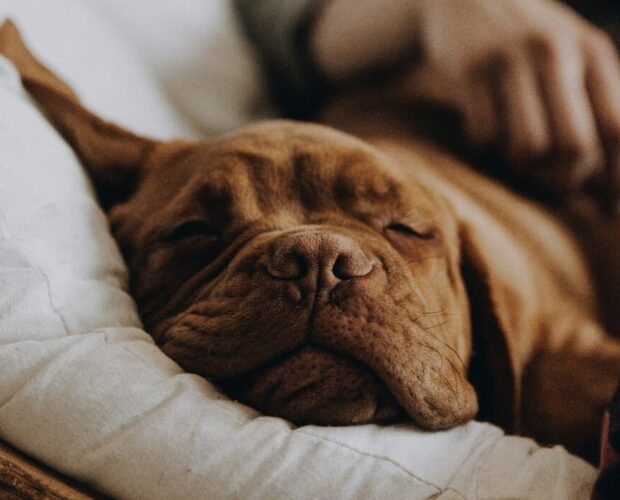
(577, 150)
(427, 83)
(526, 130)
(603, 84)
(480, 111)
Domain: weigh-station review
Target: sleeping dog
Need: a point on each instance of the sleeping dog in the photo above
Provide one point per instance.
(332, 280)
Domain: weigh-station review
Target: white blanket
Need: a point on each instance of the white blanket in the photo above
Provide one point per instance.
(82, 386)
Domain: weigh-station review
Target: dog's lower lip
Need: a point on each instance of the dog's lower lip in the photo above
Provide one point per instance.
(385, 402)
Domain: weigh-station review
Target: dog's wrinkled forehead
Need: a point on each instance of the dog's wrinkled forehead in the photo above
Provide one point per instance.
(279, 167)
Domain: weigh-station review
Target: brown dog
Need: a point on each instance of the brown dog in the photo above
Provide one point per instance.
(327, 280)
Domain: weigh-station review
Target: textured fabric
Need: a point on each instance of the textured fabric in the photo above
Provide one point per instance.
(188, 56)
(84, 389)
(278, 29)
(195, 51)
(93, 58)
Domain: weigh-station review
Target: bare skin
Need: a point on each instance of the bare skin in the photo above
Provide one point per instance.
(530, 77)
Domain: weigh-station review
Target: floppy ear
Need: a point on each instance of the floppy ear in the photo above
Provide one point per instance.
(112, 156)
(494, 368)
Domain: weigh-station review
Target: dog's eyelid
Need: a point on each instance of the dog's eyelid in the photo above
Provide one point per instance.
(418, 231)
(191, 228)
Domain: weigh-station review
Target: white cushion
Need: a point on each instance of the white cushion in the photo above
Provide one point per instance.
(84, 47)
(84, 389)
(196, 52)
(120, 56)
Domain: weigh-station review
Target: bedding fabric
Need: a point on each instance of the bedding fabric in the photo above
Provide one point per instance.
(84, 389)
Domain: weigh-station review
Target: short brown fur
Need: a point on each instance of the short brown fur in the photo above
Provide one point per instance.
(330, 279)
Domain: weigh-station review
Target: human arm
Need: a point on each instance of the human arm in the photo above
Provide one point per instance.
(530, 77)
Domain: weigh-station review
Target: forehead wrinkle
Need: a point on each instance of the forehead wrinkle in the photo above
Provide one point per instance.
(312, 179)
(245, 198)
(268, 180)
(363, 186)
(229, 192)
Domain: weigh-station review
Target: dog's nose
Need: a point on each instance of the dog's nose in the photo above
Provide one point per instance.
(317, 259)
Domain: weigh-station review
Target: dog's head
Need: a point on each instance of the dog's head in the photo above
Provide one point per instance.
(291, 263)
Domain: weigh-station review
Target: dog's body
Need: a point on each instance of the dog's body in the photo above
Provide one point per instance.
(565, 365)
(326, 280)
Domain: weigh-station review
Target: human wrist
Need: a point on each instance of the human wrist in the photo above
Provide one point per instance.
(350, 37)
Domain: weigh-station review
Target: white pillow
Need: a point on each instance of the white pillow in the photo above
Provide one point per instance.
(82, 45)
(189, 56)
(196, 51)
(85, 390)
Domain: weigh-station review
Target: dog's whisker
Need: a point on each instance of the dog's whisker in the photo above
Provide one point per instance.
(447, 383)
(437, 325)
(441, 312)
(449, 347)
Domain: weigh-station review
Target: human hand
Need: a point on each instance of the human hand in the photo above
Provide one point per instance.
(530, 77)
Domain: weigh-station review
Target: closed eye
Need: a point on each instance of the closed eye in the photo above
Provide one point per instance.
(191, 229)
(406, 230)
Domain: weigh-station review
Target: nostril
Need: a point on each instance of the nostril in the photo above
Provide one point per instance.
(287, 266)
(351, 266)
(316, 259)
(340, 268)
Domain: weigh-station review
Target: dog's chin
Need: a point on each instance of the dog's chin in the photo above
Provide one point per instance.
(315, 386)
